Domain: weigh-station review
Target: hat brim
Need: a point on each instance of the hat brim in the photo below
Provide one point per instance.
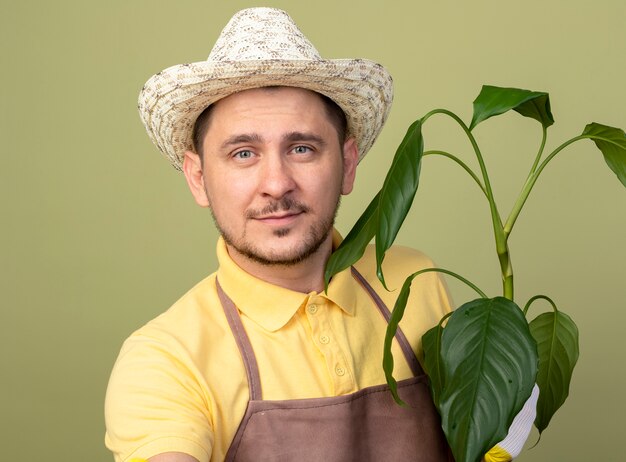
(172, 100)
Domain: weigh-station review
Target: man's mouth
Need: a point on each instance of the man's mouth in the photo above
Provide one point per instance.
(279, 218)
(281, 212)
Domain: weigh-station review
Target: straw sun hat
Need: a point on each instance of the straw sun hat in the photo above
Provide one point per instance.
(262, 47)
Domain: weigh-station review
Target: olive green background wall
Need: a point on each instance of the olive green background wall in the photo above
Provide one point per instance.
(99, 234)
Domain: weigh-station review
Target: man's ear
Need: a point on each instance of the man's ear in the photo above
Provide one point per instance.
(192, 168)
(350, 161)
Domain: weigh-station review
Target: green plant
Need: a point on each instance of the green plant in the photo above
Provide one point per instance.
(485, 351)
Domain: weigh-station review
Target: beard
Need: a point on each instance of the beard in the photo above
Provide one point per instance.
(314, 237)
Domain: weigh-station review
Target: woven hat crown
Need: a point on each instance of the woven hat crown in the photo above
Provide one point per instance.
(260, 34)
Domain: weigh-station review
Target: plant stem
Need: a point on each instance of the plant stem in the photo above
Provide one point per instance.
(453, 274)
(537, 297)
(461, 163)
(530, 182)
(502, 248)
(521, 200)
(540, 152)
(559, 149)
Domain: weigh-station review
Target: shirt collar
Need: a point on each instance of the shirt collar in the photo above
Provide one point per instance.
(272, 306)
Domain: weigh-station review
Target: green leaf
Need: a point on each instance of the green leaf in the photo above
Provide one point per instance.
(557, 344)
(353, 246)
(431, 344)
(494, 101)
(392, 327)
(612, 142)
(398, 191)
(490, 365)
(431, 340)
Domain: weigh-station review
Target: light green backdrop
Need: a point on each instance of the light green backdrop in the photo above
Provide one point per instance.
(99, 234)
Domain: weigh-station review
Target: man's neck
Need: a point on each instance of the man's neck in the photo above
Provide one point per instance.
(306, 276)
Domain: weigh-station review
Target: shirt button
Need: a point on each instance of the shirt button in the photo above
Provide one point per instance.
(312, 309)
(325, 339)
(340, 370)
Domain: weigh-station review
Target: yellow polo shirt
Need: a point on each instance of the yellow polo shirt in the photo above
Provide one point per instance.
(179, 383)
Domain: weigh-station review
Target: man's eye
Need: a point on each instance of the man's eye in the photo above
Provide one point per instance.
(301, 149)
(243, 154)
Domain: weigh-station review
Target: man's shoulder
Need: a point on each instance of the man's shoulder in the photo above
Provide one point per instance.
(428, 301)
(195, 308)
(398, 253)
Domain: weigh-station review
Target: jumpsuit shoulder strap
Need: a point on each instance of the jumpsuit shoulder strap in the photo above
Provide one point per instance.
(409, 354)
(243, 343)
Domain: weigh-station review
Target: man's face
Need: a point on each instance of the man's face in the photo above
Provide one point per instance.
(273, 173)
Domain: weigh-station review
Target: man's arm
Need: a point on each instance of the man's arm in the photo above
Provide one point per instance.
(155, 405)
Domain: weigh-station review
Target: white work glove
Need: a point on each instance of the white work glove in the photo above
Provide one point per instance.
(512, 445)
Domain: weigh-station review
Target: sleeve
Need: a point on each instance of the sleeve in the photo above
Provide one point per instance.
(155, 404)
(511, 446)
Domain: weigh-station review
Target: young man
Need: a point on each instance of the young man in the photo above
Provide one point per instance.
(257, 362)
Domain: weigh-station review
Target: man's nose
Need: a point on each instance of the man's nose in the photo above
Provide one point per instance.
(277, 177)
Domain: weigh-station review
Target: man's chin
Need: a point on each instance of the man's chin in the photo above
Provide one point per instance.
(277, 257)
(280, 252)
(281, 232)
